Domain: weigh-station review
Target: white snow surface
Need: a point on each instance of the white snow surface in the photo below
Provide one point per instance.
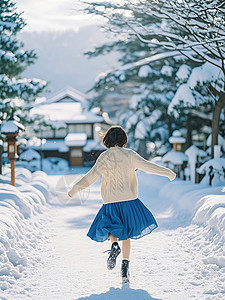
(177, 139)
(70, 112)
(21, 224)
(218, 165)
(145, 71)
(11, 126)
(199, 75)
(176, 158)
(76, 139)
(193, 151)
(134, 100)
(207, 73)
(93, 145)
(29, 155)
(182, 259)
(221, 141)
(183, 95)
(167, 71)
(183, 72)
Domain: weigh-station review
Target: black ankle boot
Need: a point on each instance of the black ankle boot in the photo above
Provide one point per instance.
(125, 274)
(114, 252)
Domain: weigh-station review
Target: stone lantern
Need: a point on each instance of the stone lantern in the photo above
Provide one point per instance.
(176, 157)
(11, 129)
(177, 140)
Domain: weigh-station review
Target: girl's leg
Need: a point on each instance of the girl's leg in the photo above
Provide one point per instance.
(114, 252)
(113, 238)
(126, 249)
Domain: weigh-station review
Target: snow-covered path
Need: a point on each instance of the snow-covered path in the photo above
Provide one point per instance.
(166, 264)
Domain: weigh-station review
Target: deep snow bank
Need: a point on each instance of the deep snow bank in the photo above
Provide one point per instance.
(211, 213)
(199, 210)
(183, 199)
(20, 208)
(211, 216)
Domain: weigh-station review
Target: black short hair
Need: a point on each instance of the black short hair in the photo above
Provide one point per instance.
(114, 136)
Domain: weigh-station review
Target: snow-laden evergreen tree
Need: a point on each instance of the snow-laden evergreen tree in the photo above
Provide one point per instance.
(15, 91)
(195, 29)
(147, 72)
(201, 31)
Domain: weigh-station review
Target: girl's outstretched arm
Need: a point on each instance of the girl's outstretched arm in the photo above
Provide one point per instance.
(89, 178)
(142, 164)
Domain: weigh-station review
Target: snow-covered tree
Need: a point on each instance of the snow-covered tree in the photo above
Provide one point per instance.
(203, 34)
(15, 91)
(146, 74)
(195, 29)
(149, 71)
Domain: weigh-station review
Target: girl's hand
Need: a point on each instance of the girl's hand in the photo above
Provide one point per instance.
(172, 176)
(70, 194)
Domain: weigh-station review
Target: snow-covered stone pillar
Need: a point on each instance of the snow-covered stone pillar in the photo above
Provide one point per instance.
(192, 153)
(217, 152)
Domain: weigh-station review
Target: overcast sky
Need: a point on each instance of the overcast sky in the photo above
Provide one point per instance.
(60, 33)
(48, 15)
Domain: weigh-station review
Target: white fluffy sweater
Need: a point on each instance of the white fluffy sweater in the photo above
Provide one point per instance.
(117, 165)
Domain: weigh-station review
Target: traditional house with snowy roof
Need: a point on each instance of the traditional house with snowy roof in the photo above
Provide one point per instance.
(72, 131)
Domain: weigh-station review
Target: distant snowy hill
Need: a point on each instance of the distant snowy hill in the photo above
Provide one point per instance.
(61, 61)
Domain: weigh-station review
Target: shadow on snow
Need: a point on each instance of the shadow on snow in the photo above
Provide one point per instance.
(125, 293)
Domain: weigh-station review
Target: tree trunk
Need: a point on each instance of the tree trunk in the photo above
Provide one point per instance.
(189, 131)
(215, 121)
(1, 147)
(169, 125)
(142, 148)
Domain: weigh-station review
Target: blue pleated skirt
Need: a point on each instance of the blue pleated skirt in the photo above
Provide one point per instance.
(125, 219)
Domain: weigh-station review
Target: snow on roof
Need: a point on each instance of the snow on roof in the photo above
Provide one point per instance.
(67, 112)
(56, 124)
(216, 163)
(176, 158)
(176, 133)
(183, 96)
(177, 138)
(93, 145)
(207, 73)
(29, 155)
(11, 126)
(48, 145)
(145, 71)
(76, 139)
(70, 92)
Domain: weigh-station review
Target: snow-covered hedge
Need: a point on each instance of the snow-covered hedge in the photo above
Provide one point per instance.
(20, 208)
(51, 165)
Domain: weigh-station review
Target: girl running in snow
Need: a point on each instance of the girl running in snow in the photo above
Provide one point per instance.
(122, 216)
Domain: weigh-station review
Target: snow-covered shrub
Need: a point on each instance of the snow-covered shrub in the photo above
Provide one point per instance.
(214, 170)
(51, 165)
